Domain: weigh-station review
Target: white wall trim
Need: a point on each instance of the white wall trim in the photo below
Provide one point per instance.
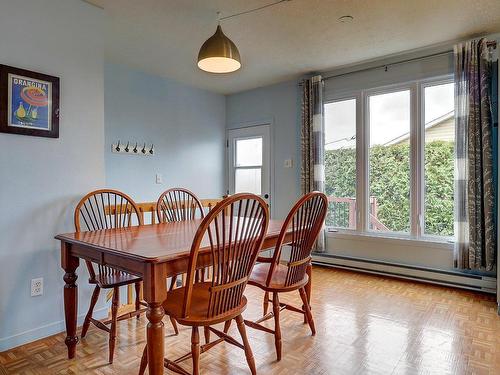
(43, 331)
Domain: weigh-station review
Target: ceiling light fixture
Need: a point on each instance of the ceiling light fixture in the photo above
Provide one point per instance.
(219, 54)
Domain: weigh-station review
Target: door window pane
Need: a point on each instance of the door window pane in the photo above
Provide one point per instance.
(249, 152)
(248, 180)
(439, 145)
(340, 163)
(389, 162)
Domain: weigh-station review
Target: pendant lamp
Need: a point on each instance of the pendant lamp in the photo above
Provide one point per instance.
(219, 54)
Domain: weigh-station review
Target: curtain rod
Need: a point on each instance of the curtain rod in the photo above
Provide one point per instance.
(491, 44)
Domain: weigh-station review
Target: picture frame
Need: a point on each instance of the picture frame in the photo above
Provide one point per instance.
(29, 103)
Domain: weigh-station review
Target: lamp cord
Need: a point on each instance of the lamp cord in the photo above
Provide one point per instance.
(250, 10)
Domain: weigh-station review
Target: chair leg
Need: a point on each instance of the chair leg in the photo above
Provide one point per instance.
(307, 310)
(93, 301)
(195, 350)
(227, 325)
(144, 361)
(266, 303)
(114, 312)
(206, 332)
(307, 289)
(277, 329)
(174, 325)
(246, 344)
(138, 297)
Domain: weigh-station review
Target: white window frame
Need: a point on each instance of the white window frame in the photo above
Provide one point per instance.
(336, 99)
(417, 143)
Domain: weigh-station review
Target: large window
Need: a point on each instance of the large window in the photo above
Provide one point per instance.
(389, 160)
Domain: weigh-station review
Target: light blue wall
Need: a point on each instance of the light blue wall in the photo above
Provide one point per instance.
(278, 104)
(42, 178)
(185, 124)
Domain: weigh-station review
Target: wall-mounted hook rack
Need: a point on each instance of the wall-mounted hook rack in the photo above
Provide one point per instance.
(121, 148)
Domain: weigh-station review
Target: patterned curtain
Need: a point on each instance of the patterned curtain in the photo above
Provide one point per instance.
(313, 142)
(474, 190)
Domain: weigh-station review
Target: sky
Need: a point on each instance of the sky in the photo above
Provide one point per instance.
(389, 115)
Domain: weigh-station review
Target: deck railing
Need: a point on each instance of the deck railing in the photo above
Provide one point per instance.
(342, 213)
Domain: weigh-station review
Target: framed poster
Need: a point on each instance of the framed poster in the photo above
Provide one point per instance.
(29, 103)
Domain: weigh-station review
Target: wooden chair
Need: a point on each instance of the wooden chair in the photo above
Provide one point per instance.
(275, 276)
(230, 243)
(179, 204)
(105, 209)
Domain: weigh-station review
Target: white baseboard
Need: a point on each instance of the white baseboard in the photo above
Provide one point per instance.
(427, 275)
(46, 330)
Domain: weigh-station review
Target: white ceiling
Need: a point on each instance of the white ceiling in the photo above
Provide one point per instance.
(163, 36)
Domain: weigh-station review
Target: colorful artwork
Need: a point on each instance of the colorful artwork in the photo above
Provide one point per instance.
(29, 103)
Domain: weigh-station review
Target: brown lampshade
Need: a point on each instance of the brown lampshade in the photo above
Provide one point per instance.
(219, 54)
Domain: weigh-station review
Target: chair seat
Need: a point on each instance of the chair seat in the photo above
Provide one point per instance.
(114, 279)
(199, 306)
(278, 281)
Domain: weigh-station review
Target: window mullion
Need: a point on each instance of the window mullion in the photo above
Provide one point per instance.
(416, 162)
(362, 144)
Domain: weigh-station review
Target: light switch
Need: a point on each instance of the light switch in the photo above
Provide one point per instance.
(288, 163)
(159, 178)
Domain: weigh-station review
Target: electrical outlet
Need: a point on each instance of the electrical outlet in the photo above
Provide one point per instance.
(288, 163)
(37, 287)
(159, 178)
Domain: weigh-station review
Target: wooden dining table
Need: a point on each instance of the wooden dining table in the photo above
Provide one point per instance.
(153, 252)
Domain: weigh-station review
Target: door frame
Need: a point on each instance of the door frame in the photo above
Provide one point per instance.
(252, 124)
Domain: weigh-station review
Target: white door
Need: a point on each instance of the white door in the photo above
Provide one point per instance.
(249, 153)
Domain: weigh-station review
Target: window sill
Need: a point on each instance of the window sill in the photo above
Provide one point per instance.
(395, 238)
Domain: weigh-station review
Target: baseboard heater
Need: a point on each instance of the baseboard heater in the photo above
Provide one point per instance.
(485, 284)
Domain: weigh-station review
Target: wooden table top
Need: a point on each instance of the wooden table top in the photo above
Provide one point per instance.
(154, 243)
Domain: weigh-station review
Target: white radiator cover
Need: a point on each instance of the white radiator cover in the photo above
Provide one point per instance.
(427, 275)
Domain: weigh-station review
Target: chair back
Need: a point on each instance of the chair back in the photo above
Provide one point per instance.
(105, 209)
(306, 219)
(231, 234)
(178, 204)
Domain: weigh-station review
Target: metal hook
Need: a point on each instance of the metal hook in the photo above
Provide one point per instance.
(135, 148)
(144, 148)
(127, 149)
(152, 149)
(117, 148)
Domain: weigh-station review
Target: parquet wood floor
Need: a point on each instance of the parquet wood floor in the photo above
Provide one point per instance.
(366, 325)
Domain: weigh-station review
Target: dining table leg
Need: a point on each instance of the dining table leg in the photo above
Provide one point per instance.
(155, 292)
(70, 263)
